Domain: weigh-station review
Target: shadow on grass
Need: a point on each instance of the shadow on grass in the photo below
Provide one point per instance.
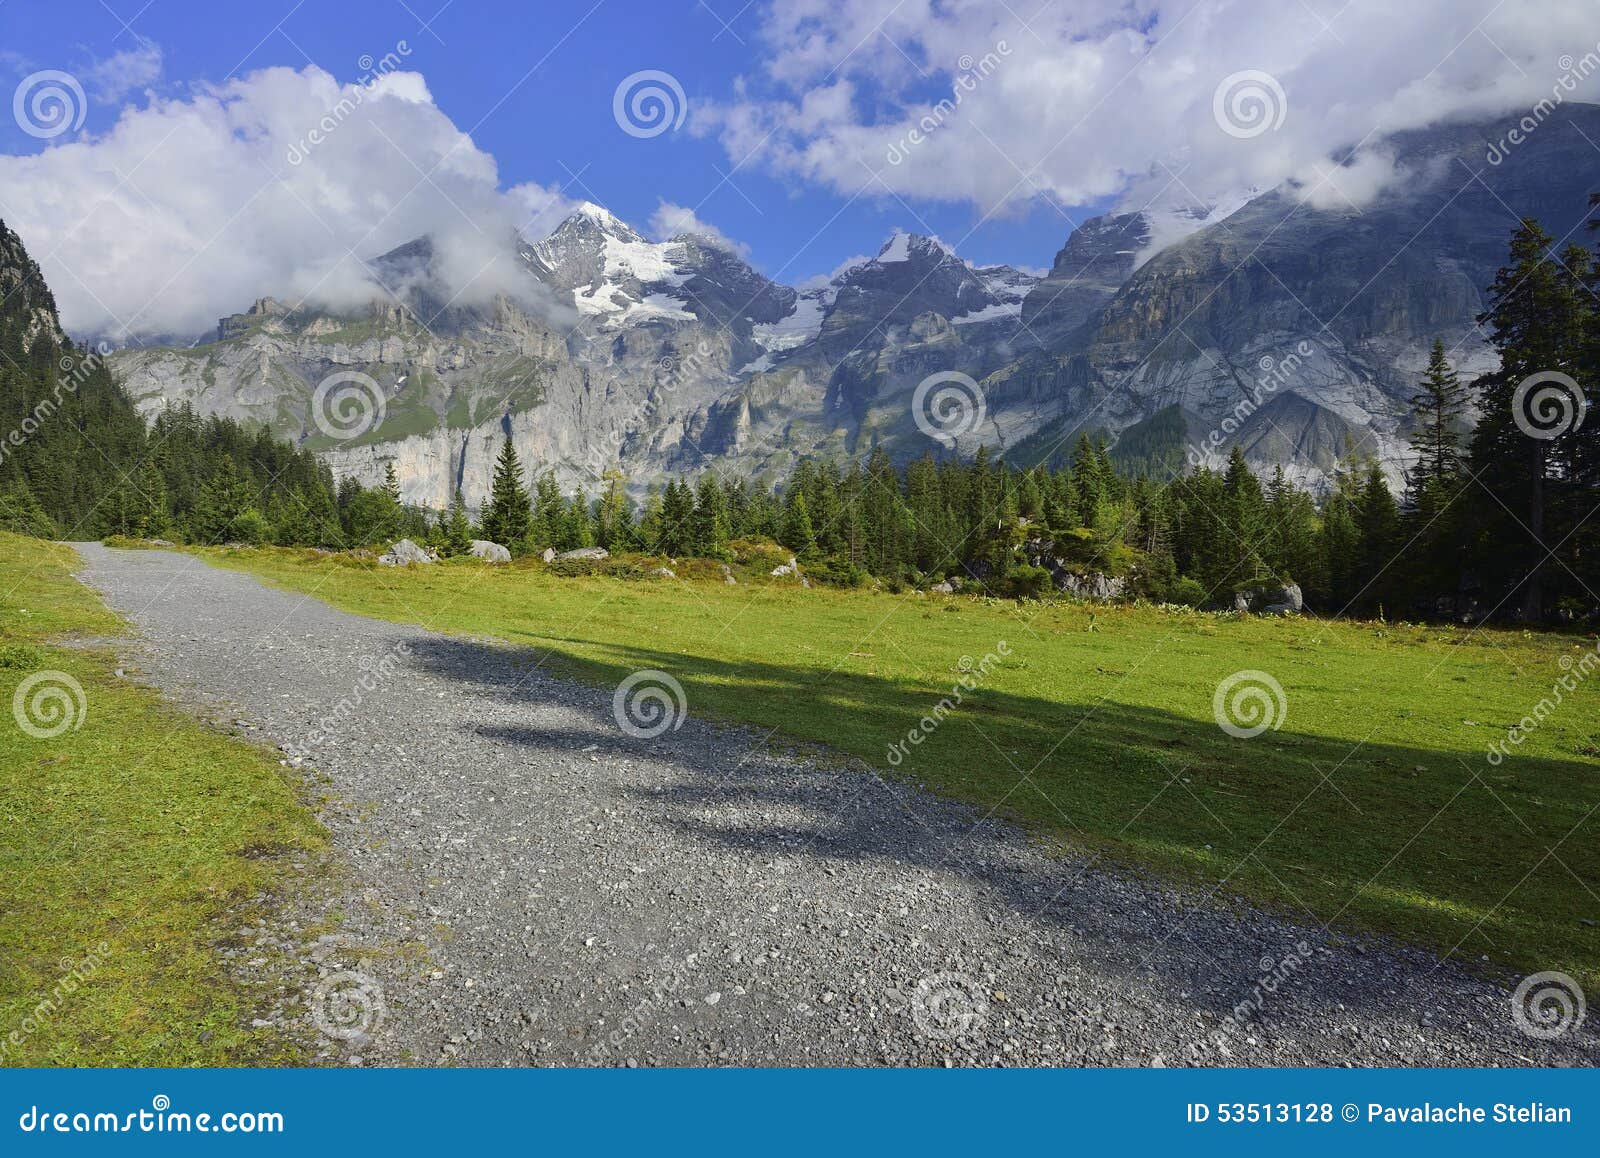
(1437, 847)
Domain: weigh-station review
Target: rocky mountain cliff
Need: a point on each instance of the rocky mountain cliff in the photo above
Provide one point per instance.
(27, 308)
(1292, 322)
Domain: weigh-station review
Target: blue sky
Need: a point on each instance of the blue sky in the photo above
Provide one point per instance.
(810, 130)
(548, 122)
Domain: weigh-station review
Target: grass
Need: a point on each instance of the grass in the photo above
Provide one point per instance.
(1372, 806)
(133, 847)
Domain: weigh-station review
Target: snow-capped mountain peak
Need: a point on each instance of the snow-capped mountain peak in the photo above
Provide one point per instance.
(903, 246)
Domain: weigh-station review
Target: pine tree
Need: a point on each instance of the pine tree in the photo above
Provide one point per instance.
(457, 528)
(614, 529)
(798, 534)
(391, 483)
(1438, 409)
(549, 511)
(1538, 321)
(507, 517)
(676, 534)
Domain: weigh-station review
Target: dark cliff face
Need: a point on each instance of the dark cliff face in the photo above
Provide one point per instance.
(1095, 262)
(911, 277)
(27, 308)
(1407, 266)
(1368, 287)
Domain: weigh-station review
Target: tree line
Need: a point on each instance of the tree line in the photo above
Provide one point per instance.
(1494, 520)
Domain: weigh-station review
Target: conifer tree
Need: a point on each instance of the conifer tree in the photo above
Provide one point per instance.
(798, 534)
(457, 528)
(1438, 409)
(507, 516)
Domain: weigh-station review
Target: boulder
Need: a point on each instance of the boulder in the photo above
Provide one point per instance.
(404, 553)
(944, 588)
(548, 555)
(1284, 599)
(666, 572)
(489, 552)
(1091, 586)
(586, 553)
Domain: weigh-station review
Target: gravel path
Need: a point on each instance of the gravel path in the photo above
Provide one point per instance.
(534, 886)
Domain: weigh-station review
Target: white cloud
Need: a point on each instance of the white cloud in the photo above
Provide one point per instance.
(112, 79)
(282, 182)
(669, 221)
(1113, 99)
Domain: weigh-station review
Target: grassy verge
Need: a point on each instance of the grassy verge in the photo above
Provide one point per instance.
(1371, 806)
(133, 845)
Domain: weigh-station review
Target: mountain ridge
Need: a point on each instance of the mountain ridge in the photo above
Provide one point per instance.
(681, 357)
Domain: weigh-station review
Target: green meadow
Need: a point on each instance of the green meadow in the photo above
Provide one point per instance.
(1371, 806)
(136, 843)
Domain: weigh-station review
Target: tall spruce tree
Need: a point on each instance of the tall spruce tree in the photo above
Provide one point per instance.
(507, 516)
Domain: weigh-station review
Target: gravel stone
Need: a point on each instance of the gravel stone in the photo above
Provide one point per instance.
(530, 885)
